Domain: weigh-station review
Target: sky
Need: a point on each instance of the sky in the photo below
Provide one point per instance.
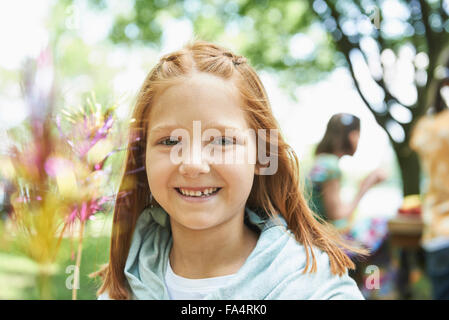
(22, 33)
(302, 122)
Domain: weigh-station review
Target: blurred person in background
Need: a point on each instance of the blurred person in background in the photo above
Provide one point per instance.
(341, 138)
(430, 139)
(324, 180)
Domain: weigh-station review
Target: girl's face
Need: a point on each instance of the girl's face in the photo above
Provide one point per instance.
(196, 191)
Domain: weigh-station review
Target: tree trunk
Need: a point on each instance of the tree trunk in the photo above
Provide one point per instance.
(410, 169)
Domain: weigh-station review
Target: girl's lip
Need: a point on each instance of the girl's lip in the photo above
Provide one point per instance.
(197, 199)
(196, 188)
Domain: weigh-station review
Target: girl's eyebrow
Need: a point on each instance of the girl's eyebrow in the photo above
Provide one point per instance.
(164, 127)
(221, 126)
(210, 125)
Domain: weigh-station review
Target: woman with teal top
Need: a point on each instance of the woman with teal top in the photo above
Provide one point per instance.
(341, 138)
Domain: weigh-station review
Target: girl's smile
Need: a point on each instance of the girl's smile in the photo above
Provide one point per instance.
(198, 194)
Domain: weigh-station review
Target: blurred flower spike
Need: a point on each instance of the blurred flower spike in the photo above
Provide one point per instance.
(38, 89)
(88, 127)
(87, 210)
(86, 141)
(58, 179)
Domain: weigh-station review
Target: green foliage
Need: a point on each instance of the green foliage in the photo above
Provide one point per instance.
(266, 32)
(260, 30)
(18, 274)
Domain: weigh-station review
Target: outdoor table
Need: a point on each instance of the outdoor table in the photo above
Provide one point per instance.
(405, 233)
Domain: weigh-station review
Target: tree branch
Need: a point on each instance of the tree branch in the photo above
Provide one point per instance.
(430, 37)
(444, 14)
(345, 46)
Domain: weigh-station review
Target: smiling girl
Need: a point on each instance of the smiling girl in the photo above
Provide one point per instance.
(195, 227)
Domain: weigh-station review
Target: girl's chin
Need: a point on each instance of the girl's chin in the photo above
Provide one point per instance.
(197, 225)
(194, 218)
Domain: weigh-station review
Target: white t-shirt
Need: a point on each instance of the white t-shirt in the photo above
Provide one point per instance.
(180, 288)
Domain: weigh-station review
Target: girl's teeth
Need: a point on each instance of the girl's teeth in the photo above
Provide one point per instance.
(192, 193)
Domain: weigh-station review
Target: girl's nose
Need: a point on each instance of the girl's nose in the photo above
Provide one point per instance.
(193, 170)
(192, 163)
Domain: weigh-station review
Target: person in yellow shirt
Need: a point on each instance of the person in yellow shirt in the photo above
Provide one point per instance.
(430, 139)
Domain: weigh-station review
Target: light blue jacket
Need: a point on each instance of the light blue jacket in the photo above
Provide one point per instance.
(273, 270)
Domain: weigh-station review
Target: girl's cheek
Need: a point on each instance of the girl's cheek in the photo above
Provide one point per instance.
(156, 156)
(158, 165)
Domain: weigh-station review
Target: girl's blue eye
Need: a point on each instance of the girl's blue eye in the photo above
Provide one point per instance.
(170, 141)
(223, 141)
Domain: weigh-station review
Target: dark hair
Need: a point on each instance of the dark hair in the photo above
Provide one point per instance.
(440, 104)
(336, 137)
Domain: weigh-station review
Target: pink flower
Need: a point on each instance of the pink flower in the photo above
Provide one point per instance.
(57, 165)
